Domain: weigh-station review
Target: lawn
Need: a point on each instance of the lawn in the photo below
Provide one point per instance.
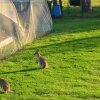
(73, 53)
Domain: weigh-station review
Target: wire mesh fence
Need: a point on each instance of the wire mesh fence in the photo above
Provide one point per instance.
(76, 10)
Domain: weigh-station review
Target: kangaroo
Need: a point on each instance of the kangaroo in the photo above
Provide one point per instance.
(5, 85)
(41, 60)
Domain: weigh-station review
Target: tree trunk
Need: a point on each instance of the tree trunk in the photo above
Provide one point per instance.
(86, 5)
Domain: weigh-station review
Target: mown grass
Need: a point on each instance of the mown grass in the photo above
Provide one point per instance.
(75, 11)
(73, 53)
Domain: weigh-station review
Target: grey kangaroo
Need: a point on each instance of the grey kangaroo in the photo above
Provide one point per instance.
(43, 63)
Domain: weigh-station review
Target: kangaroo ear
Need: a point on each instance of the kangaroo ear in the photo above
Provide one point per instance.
(37, 50)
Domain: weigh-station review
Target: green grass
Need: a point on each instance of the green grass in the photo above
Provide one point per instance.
(75, 11)
(73, 54)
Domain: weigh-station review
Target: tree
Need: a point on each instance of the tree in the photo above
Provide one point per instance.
(86, 5)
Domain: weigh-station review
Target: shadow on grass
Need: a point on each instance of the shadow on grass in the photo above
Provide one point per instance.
(74, 45)
(2, 92)
(65, 26)
(68, 24)
(24, 70)
(89, 44)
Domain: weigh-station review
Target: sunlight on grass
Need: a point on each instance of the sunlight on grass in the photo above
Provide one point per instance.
(73, 53)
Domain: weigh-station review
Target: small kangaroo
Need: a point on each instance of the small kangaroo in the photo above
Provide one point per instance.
(41, 60)
(5, 85)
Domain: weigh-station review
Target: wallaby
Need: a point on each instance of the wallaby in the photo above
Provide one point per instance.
(41, 60)
(5, 85)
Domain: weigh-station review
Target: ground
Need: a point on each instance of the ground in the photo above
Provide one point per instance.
(73, 53)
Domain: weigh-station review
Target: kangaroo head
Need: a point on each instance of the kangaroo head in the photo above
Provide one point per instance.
(36, 52)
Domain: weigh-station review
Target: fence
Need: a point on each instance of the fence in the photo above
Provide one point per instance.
(76, 11)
